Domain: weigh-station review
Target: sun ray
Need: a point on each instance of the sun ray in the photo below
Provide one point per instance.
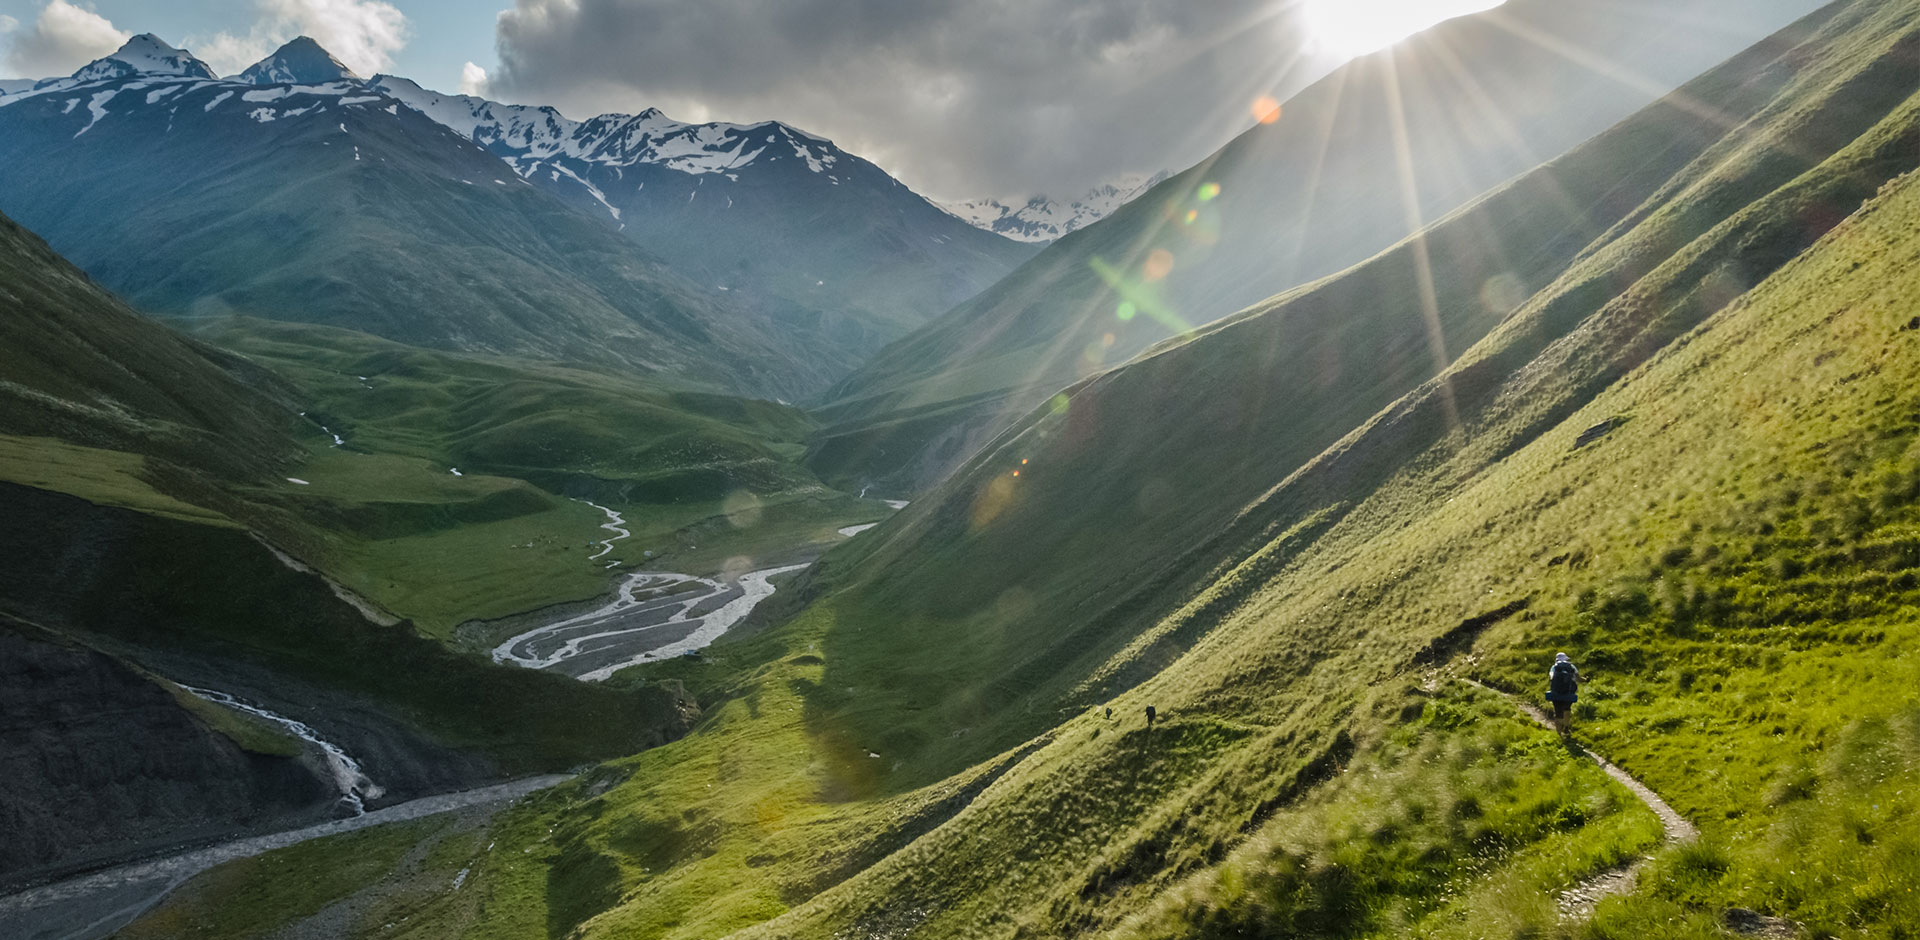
(1422, 260)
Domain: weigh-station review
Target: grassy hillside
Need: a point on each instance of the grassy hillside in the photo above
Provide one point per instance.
(135, 466)
(699, 477)
(1687, 457)
(1353, 165)
(1054, 570)
(77, 363)
(168, 502)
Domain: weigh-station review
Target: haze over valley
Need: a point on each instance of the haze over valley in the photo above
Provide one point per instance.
(1436, 470)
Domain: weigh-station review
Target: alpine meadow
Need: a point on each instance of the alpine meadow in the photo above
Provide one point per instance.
(1479, 499)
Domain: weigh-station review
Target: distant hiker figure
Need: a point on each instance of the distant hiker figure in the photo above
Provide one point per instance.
(1109, 712)
(1563, 689)
(1150, 714)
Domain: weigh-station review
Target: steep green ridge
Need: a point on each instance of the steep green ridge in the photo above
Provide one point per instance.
(1352, 166)
(77, 363)
(1689, 458)
(1647, 551)
(1052, 571)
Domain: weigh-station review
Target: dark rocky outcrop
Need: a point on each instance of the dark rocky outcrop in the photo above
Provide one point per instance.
(101, 762)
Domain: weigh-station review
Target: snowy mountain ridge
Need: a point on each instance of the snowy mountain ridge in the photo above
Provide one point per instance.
(145, 54)
(820, 248)
(1044, 219)
(528, 136)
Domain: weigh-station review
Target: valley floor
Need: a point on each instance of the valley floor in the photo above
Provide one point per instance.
(99, 904)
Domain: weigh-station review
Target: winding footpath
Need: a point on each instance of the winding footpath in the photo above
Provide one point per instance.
(1577, 903)
(95, 905)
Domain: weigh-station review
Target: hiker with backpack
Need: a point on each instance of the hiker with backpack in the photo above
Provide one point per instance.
(1563, 689)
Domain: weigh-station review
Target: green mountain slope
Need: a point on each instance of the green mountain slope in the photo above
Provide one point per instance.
(1687, 457)
(459, 488)
(76, 363)
(133, 463)
(791, 226)
(1353, 165)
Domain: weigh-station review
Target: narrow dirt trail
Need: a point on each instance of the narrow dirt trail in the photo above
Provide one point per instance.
(1577, 902)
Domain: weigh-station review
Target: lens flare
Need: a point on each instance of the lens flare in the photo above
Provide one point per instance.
(1209, 192)
(1142, 298)
(1159, 265)
(1127, 311)
(1266, 109)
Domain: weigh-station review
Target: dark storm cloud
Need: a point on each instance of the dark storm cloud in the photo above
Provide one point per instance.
(958, 97)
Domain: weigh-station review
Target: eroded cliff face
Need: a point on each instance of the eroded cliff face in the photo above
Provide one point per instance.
(104, 609)
(101, 762)
(101, 757)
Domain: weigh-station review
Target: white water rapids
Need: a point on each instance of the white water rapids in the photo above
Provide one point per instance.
(355, 786)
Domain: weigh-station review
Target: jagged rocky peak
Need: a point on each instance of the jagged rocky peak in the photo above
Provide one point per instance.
(145, 54)
(300, 62)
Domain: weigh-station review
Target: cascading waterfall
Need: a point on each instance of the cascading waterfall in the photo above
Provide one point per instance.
(355, 786)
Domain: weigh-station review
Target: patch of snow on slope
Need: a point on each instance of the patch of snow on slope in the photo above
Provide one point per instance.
(592, 190)
(529, 136)
(99, 108)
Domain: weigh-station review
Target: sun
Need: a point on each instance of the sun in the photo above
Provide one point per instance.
(1356, 27)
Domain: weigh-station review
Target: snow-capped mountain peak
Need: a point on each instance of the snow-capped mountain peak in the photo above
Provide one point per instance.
(145, 54)
(528, 136)
(1044, 219)
(300, 62)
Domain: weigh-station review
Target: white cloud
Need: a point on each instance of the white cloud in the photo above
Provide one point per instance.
(227, 54)
(62, 38)
(473, 80)
(8, 24)
(958, 98)
(364, 34)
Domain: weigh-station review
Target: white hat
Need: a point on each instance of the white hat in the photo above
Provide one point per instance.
(1561, 658)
